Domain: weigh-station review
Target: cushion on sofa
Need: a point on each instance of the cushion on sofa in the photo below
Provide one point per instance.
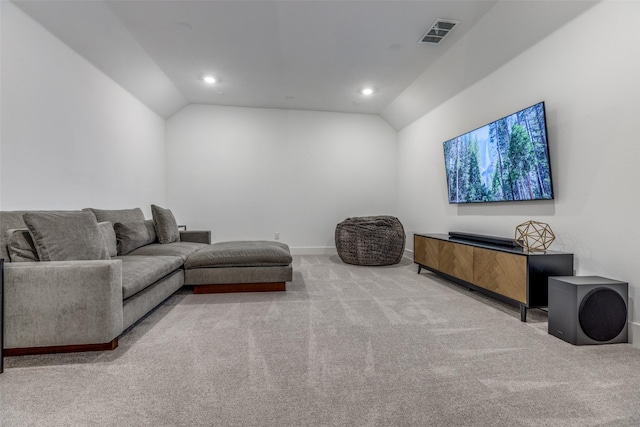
(117, 215)
(66, 235)
(240, 254)
(166, 225)
(132, 235)
(20, 245)
(109, 236)
(139, 272)
(180, 249)
(9, 220)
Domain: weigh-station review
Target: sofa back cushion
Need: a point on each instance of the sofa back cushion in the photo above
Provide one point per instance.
(9, 220)
(20, 245)
(66, 235)
(109, 236)
(117, 215)
(166, 225)
(132, 235)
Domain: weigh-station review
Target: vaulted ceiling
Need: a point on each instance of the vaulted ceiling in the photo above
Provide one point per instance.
(312, 55)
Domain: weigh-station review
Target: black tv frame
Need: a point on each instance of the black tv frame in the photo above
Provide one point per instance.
(548, 160)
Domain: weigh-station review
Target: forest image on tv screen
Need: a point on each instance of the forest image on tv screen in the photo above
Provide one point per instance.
(504, 160)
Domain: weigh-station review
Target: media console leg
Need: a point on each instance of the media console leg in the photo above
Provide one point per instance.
(419, 268)
(523, 313)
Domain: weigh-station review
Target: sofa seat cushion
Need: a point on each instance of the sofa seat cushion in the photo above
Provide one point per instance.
(180, 249)
(139, 272)
(241, 254)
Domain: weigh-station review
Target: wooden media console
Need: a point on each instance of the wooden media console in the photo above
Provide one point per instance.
(502, 271)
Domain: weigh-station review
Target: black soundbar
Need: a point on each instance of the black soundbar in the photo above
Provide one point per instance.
(480, 238)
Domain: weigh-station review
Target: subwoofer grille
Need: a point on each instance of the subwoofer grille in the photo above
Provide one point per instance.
(602, 314)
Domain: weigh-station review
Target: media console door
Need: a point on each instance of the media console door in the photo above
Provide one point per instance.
(448, 258)
(513, 275)
(501, 272)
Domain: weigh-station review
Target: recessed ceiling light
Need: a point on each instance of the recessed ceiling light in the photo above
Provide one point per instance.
(209, 79)
(367, 91)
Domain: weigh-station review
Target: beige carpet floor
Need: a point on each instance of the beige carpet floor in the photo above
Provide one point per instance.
(343, 346)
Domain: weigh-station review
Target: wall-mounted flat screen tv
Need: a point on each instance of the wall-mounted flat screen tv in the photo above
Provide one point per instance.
(504, 160)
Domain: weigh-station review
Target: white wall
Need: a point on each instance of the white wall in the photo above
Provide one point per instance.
(590, 83)
(246, 173)
(71, 137)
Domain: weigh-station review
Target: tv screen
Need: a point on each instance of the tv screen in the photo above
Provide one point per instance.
(502, 161)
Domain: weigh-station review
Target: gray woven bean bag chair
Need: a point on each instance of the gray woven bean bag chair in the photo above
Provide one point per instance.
(370, 240)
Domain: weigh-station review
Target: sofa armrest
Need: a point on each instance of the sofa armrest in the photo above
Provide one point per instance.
(62, 303)
(196, 236)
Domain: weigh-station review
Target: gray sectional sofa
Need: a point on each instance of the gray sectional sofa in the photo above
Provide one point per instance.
(96, 284)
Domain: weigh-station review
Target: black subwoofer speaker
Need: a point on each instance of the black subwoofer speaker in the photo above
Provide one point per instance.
(588, 309)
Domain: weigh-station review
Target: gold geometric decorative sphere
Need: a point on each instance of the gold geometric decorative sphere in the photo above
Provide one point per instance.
(534, 235)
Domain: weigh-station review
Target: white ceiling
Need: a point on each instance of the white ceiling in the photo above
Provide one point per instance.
(312, 55)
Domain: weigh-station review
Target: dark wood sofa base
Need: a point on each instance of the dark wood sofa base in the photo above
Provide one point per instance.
(61, 349)
(240, 287)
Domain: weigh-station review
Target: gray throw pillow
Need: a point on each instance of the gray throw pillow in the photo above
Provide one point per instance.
(109, 236)
(132, 235)
(66, 235)
(20, 245)
(166, 225)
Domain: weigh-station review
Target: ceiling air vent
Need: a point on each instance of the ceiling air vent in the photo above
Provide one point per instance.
(438, 31)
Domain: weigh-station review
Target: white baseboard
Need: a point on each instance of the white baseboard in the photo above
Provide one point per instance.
(331, 250)
(408, 253)
(314, 250)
